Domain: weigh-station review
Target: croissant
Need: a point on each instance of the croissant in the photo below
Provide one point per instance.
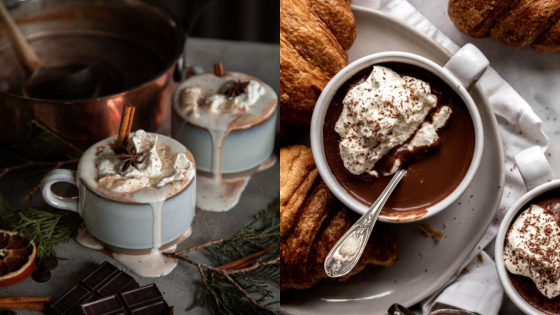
(514, 22)
(312, 221)
(314, 37)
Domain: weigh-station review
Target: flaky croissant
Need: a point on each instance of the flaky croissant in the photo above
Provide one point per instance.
(514, 22)
(314, 37)
(312, 221)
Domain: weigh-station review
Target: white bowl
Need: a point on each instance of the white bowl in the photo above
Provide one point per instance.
(463, 70)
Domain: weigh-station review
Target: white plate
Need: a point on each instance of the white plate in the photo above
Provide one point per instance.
(424, 265)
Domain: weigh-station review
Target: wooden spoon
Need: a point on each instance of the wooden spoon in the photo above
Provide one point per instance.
(56, 83)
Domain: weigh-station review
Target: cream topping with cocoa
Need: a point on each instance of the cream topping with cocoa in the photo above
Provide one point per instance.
(533, 249)
(425, 138)
(207, 96)
(158, 165)
(384, 112)
(220, 102)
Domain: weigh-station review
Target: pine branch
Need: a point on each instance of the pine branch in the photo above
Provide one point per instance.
(57, 137)
(197, 247)
(255, 266)
(248, 261)
(33, 151)
(250, 239)
(28, 164)
(5, 210)
(45, 227)
(226, 275)
(36, 147)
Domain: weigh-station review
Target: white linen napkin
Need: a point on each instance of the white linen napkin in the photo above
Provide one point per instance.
(479, 290)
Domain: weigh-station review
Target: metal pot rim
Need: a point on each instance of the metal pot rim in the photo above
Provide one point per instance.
(181, 47)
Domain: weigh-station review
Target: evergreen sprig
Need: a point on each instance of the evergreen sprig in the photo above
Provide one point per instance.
(262, 233)
(37, 146)
(45, 227)
(5, 211)
(228, 290)
(49, 226)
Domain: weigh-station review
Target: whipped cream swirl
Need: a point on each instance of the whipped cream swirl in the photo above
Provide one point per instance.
(156, 167)
(383, 112)
(532, 249)
(191, 98)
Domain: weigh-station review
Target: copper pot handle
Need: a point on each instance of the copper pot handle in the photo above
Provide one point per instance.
(180, 66)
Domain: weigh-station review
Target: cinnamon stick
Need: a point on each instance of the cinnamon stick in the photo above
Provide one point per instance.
(126, 119)
(24, 299)
(131, 117)
(218, 69)
(33, 306)
(246, 261)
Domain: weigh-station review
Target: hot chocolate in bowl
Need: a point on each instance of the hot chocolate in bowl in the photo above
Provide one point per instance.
(525, 286)
(135, 47)
(439, 170)
(526, 252)
(432, 174)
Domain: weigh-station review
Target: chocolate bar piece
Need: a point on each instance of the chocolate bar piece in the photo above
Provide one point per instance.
(110, 305)
(105, 281)
(146, 300)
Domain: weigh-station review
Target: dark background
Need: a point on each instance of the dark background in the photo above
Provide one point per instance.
(244, 20)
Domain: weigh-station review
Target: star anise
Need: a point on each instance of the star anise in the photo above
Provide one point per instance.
(129, 157)
(240, 87)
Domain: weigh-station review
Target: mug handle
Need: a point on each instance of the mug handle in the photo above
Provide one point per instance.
(467, 65)
(55, 176)
(534, 167)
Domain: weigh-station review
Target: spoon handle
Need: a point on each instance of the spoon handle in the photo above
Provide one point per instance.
(347, 251)
(26, 55)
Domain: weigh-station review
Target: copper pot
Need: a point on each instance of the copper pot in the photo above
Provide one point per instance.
(136, 45)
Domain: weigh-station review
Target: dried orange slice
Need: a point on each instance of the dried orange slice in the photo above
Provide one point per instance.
(17, 258)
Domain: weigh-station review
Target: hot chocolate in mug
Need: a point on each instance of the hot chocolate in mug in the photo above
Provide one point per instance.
(127, 226)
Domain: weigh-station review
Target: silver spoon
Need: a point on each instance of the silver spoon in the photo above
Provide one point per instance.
(397, 309)
(347, 251)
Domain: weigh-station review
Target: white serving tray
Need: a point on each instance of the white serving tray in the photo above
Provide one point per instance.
(424, 265)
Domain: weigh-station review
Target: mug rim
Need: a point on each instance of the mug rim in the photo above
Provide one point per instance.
(233, 131)
(269, 115)
(341, 77)
(512, 212)
(102, 196)
(80, 181)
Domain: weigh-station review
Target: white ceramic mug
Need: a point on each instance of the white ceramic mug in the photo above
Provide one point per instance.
(123, 226)
(461, 72)
(242, 149)
(539, 179)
